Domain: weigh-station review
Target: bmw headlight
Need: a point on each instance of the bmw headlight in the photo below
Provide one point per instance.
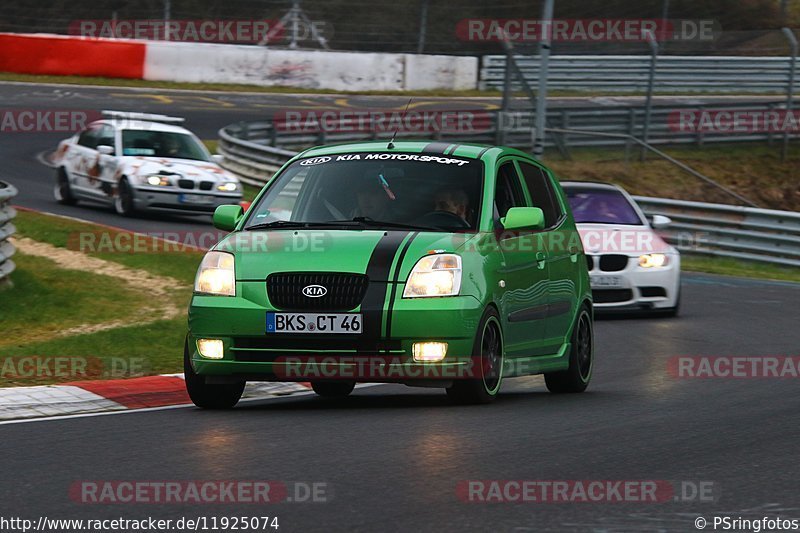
(158, 181)
(228, 186)
(653, 260)
(216, 275)
(434, 275)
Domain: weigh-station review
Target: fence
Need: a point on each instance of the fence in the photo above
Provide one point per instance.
(7, 213)
(630, 73)
(730, 231)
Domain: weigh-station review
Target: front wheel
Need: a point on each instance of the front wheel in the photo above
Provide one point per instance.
(488, 356)
(581, 359)
(123, 202)
(208, 396)
(333, 389)
(62, 190)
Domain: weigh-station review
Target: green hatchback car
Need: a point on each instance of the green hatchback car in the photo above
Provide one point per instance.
(424, 263)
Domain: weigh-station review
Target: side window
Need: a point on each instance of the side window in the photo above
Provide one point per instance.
(106, 137)
(90, 136)
(542, 194)
(507, 193)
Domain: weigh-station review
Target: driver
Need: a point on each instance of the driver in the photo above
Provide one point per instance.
(453, 201)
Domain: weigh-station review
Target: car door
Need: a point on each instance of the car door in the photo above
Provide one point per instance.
(562, 245)
(101, 170)
(523, 272)
(78, 157)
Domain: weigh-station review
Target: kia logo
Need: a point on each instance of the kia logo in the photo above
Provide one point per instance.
(314, 291)
(315, 161)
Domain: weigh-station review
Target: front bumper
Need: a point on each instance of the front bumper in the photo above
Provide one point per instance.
(639, 288)
(386, 356)
(182, 200)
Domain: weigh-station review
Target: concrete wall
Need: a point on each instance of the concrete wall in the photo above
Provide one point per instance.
(224, 63)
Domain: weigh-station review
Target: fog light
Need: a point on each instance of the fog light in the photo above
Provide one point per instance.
(429, 352)
(210, 348)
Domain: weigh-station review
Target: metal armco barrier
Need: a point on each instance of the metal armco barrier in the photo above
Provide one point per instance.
(730, 231)
(631, 73)
(254, 150)
(7, 229)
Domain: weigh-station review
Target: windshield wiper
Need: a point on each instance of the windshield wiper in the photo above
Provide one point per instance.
(371, 222)
(289, 224)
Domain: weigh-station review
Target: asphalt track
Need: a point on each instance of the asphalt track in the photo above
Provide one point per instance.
(393, 456)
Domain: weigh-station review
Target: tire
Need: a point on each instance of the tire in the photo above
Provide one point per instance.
(205, 395)
(123, 201)
(62, 190)
(488, 350)
(333, 389)
(581, 359)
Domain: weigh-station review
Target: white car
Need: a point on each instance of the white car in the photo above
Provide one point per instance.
(138, 161)
(631, 268)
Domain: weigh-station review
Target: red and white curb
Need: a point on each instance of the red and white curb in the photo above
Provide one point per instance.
(115, 395)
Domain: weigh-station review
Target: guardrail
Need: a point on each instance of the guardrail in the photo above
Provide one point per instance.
(630, 73)
(753, 234)
(7, 229)
(254, 150)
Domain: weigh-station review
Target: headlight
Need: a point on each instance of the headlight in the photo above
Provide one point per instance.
(216, 275)
(157, 181)
(228, 186)
(434, 275)
(652, 260)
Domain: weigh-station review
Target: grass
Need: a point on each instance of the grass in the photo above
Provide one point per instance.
(46, 298)
(755, 171)
(97, 240)
(735, 267)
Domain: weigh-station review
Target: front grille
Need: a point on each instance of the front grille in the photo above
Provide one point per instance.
(613, 262)
(608, 296)
(206, 185)
(589, 262)
(344, 291)
(184, 183)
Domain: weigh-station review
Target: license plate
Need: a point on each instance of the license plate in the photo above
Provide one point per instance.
(605, 282)
(314, 323)
(200, 199)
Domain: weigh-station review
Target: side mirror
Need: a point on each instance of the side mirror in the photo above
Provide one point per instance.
(105, 149)
(523, 218)
(227, 216)
(660, 221)
(218, 158)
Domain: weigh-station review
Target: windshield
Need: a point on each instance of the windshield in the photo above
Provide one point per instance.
(601, 206)
(438, 193)
(162, 144)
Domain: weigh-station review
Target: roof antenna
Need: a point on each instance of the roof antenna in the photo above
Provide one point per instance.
(391, 141)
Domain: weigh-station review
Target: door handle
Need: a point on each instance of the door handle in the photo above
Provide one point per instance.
(541, 259)
(573, 254)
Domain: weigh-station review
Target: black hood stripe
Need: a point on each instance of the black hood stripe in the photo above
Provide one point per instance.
(378, 270)
(394, 286)
(437, 147)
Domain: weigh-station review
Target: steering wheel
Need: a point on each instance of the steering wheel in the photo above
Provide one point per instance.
(443, 219)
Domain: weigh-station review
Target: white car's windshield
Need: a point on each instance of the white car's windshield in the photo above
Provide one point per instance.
(601, 206)
(162, 144)
(426, 191)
